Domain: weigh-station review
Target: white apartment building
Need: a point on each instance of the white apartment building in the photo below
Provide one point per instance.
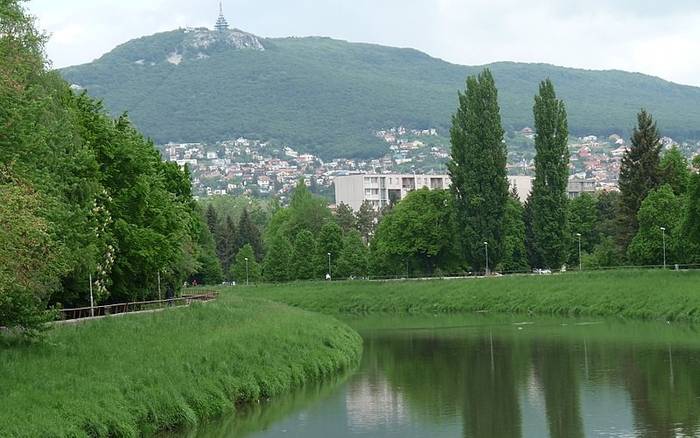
(577, 187)
(381, 190)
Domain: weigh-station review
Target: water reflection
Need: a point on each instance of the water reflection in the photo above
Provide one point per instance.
(491, 378)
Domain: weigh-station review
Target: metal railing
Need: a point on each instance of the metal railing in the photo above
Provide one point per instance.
(137, 306)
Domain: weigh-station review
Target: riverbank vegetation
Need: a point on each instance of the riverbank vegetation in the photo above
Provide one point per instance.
(651, 295)
(85, 198)
(125, 376)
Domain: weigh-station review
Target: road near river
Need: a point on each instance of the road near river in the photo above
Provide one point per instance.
(485, 376)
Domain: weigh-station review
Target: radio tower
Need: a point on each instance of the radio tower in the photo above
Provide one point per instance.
(221, 23)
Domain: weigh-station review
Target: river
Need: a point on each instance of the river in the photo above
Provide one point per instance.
(505, 376)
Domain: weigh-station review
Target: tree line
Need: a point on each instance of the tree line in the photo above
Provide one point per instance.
(654, 218)
(86, 202)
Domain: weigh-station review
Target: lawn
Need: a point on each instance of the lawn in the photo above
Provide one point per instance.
(650, 294)
(133, 375)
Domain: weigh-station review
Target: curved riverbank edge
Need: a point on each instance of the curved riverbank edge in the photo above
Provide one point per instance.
(635, 294)
(139, 374)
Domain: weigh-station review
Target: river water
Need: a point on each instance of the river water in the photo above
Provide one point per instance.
(480, 376)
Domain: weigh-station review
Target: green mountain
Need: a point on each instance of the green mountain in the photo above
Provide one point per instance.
(328, 97)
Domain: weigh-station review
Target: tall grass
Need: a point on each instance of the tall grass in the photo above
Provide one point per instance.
(133, 375)
(666, 295)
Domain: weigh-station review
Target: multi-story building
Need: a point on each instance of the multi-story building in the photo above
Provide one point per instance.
(577, 187)
(382, 190)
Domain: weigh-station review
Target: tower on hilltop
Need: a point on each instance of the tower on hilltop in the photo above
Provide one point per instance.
(221, 23)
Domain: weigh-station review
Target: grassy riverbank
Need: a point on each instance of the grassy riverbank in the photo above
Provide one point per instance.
(132, 375)
(666, 295)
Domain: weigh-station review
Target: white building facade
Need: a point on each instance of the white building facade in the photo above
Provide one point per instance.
(381, 190)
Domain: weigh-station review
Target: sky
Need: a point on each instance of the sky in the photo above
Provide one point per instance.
(660, 38)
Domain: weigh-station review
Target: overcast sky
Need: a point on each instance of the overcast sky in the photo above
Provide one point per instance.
(660, 38)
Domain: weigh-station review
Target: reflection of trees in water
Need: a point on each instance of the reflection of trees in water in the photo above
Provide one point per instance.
(557, 371)
(441, 377)
(493, 375)
(664, 386)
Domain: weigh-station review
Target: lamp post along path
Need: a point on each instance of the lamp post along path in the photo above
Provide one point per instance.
(246, 271)
(330, 274)
(486, 252)
(580, 264)
(663, 238)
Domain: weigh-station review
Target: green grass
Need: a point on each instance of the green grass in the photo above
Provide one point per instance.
(661, 295)
(133, 375)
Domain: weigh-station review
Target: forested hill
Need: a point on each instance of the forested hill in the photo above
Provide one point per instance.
(327, 96)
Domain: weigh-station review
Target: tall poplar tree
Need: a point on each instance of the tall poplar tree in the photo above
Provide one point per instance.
(639, 174)
(548, 198)
(478, 171)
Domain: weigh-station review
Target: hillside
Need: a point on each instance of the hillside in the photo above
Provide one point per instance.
(327, 96)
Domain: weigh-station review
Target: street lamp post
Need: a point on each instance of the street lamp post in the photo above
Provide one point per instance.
(330, 275)
(580, 264)
(486, 252)
(663, 237)
(246, 272)
(92, 300)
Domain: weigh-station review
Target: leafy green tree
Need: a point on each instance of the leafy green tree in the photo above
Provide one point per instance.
(549, 198)
(421, 228)
(277, 266)
(30, 265)
(661, 208)
(608, 210)
(114, 209)
(208, 269)
(366, 220)
(354, 257)
(675, 171)
(478, 170)
(238, 269)
(249, 234)
(514, 253)
(605, 255)
(149, 224)
(303, 265)
(307, 212)
(691, 225)
(345, 217)
(639, 174)
(583, 218)
(330, 240)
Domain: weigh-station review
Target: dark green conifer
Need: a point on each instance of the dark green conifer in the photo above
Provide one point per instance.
(639, 174)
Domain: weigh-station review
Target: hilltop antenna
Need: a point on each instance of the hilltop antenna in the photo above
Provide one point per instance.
(221, 23)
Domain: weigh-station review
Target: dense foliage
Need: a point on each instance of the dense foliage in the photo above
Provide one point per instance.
(97, 200)
(639, 173)
(548, 200)
(298, 90)
(478, 172)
